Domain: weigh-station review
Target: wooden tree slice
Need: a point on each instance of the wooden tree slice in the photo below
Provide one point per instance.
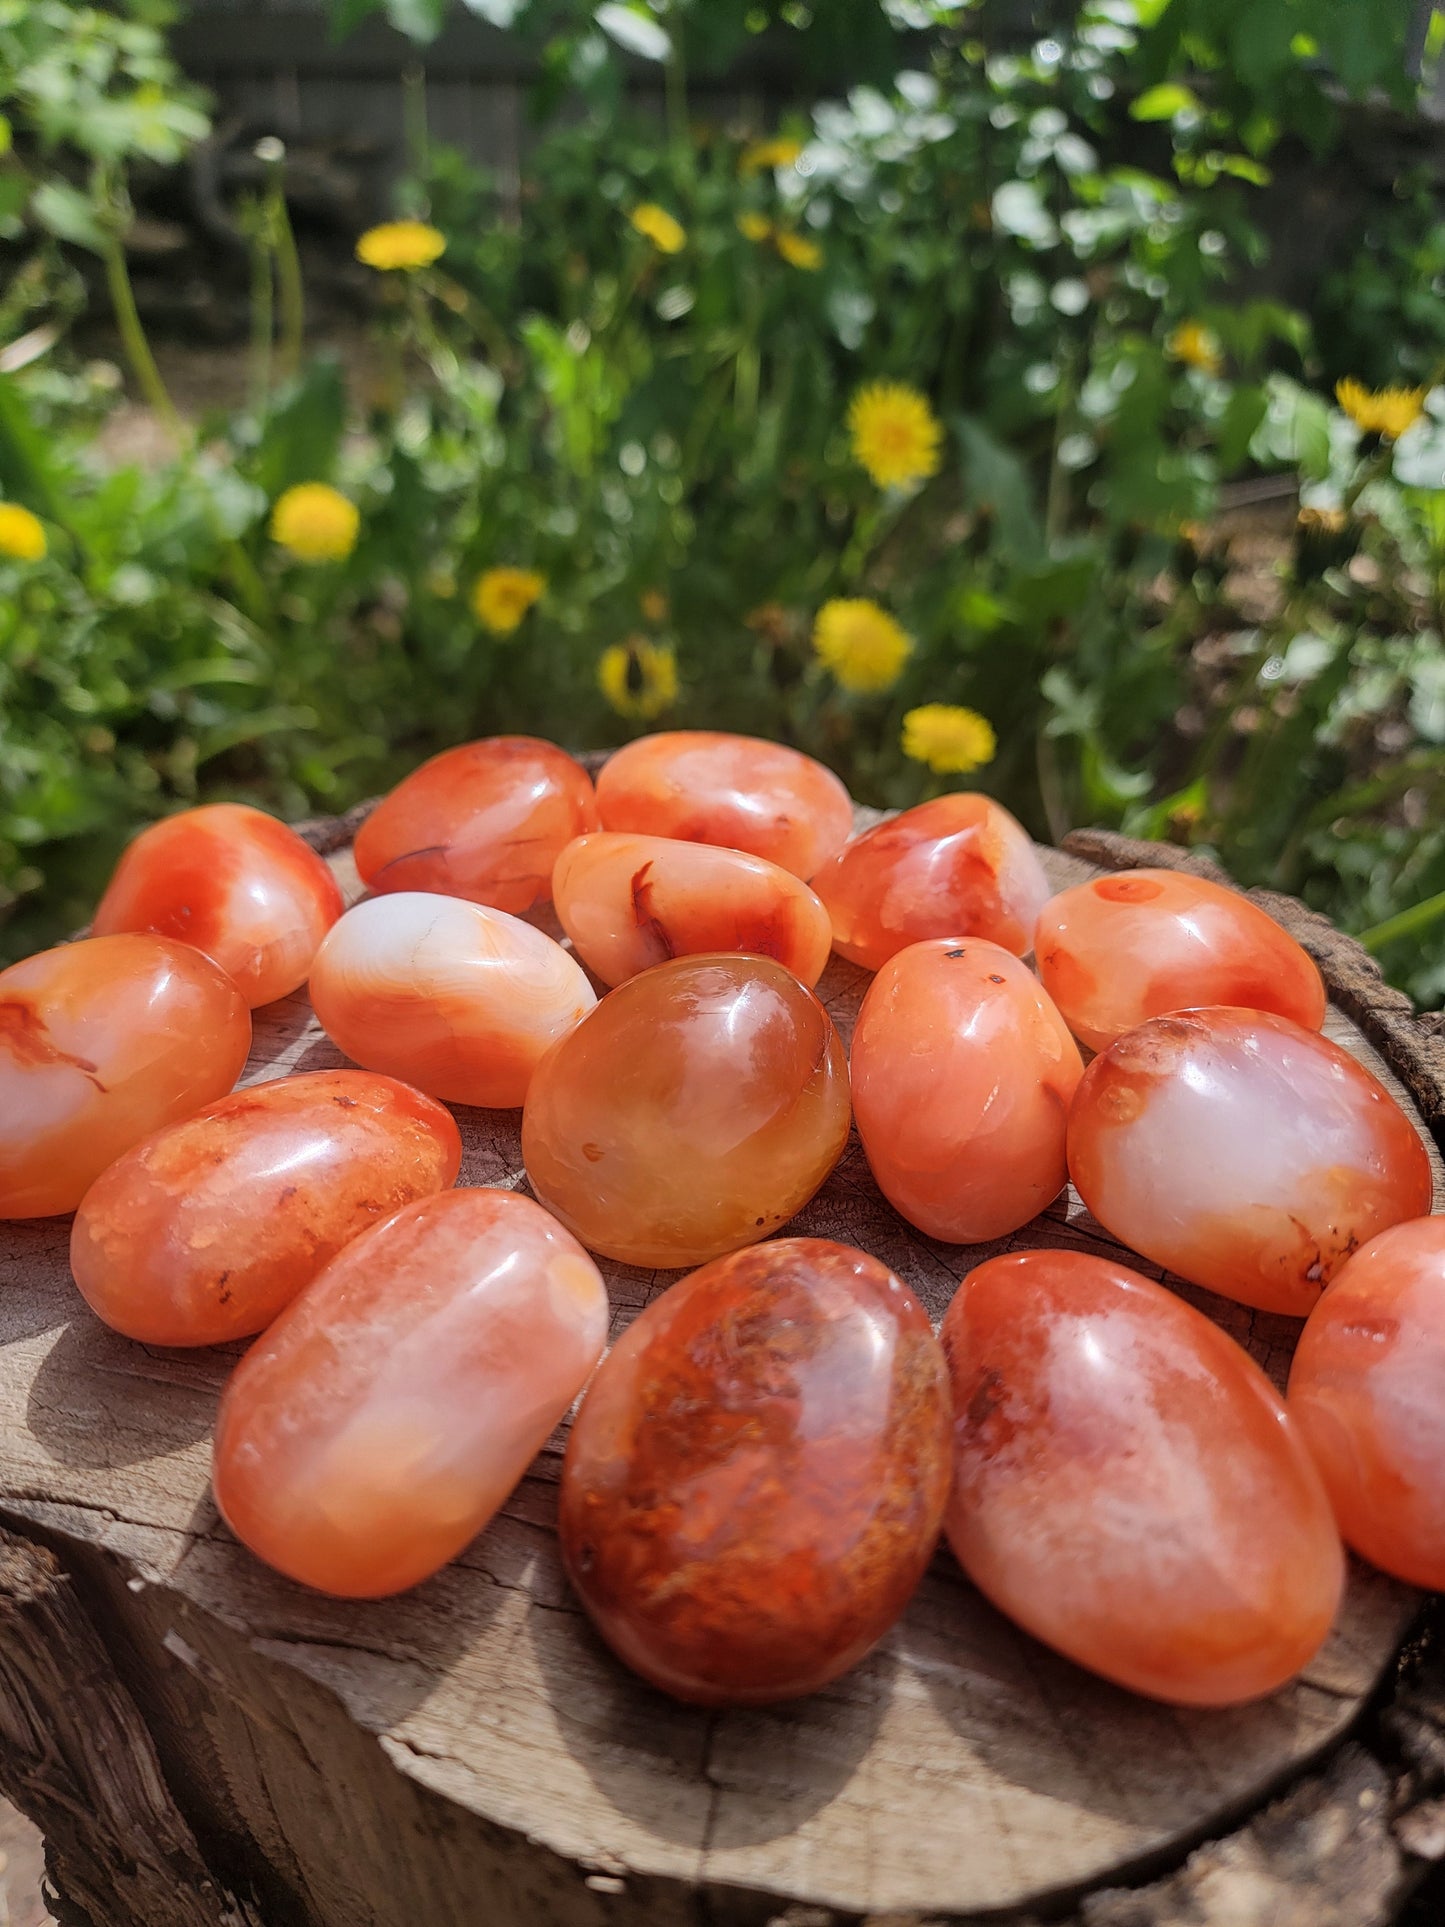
(236, 1749)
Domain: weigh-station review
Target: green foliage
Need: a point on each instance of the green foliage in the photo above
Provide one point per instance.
(1044, 243)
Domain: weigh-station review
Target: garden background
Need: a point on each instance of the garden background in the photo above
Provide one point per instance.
(1037, 399)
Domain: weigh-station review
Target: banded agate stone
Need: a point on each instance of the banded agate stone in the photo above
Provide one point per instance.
(754, 1484)
(628, 902)
(391, 1409)
(485, 821)
(1117, 950)
(235, 883)
(1128, 1486)
(1243, 1152)
(455, 998)
(1365, 1389)
(738, 791)
(694, 1111)
(959, 866)
(101, 1043)
(206, 1231)
(963, 1072)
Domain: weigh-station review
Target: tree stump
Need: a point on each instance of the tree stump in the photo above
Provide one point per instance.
(205, 1743)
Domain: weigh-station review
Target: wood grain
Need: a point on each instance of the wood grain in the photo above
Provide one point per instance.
(469, 1752)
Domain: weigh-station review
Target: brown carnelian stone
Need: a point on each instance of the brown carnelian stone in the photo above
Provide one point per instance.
(1367, 1390)
(1243, 1152)
(963, 1072)
(959, 866)
(628, 902)
(1128, 1486)
(754, 1484)
(204, 1232)
(485, 821)
(1120, 949)
(696, 1109)
(741, 792)
(101, 1043)
(235, 883)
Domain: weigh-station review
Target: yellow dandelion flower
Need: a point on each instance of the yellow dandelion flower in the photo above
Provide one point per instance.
(654, 606)
(1383, 411)
(401, 244)
(502, 597)
(1196, 346)
(655, 224)
(797, 250)
(949, 739)
(755, 227)
(896, 435)
(315, 522)
(781, 151)
(22, 535)
(638, 677)
(861, 644)
(1318, 521)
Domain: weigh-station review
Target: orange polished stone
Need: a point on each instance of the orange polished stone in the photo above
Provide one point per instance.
(737, 791)
(1244, 1152)
(1367, 1390)
(695, 1110)
(101, 1043)
(455, 998)
(1118, 950)
(959, 866)
(754, 1484)
(204, 1232)
(378, 1425)
(962, 1075)
(628, 902)
(235, 883)
(485, 821)
(1128, 1485)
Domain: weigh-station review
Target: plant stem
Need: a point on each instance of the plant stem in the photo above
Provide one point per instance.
(263, 316)
(289, 287)
(132, 334)
(1408, 923)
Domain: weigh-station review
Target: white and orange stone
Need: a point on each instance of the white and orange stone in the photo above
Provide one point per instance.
(1128, 1486)
(101, 1043)
(207, 1230)
(388, 1413)
(453, 997)
(234, 882)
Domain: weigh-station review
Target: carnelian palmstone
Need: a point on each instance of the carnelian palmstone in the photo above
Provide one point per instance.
(393, 1407)
(1118, 950)
(959, 866)
(235, 883)
(1128, 1485)
(738, 791)
(455, 998)
(755, 1481)
(695, 1110)
(962, 1075)
(1244, 1152)
(204, 1232)
(101, 1043)
(485, 821)
(1366, 1391)
(628, 902)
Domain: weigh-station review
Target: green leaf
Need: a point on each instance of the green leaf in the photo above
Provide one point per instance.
(634, 29)
(303, 433)
(67, 213)
(1165, 102)
(1244, 169)
(1243, 413)
(27, 473)
(995, 480)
